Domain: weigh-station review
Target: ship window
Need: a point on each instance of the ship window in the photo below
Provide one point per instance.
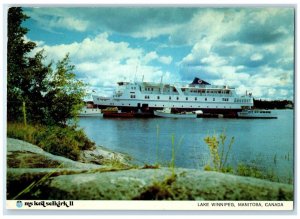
(213, 99)
(177, 98)
(170, 98)
(195, 98)
(158, 97)
(205, 99)
(186, 98)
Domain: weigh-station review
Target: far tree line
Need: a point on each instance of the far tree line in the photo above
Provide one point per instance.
(273, 104)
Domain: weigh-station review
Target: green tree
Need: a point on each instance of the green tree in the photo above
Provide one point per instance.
(37, 87)
(17, 62)
(65, 93)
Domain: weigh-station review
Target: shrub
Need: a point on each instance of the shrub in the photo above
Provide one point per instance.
(63, 141)
(218, 152)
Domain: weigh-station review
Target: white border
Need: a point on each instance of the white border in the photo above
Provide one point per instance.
(153, 205)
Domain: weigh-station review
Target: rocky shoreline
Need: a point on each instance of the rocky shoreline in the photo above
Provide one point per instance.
(105, 175)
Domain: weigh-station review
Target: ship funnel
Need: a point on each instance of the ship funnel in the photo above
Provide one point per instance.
(199, 81)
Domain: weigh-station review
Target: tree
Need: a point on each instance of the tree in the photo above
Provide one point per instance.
(17, 62)
(36, 87)
(51, 96)
(65, 93)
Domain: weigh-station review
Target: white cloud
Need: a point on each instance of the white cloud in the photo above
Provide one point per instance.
(70, 23)
(102, 63)
(53, 18)
(218, 52)
(150, 57)
(256, 57)
(166, 59)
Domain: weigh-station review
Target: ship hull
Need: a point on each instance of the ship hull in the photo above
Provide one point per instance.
(175, 116)
(150, 110)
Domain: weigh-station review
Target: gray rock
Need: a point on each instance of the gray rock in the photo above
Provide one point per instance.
(101, 155)
(30, 165)
(158, 184)
(21, 154)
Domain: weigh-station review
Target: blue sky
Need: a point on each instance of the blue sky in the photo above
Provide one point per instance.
(249, 48)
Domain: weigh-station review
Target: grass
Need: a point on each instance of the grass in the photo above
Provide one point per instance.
(35, 184)
(66, 141)
(174, 148)
(159, 190)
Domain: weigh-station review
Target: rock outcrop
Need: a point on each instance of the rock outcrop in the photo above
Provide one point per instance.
(60, 178)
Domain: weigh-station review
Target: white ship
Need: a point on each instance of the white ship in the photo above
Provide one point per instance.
(199, 95)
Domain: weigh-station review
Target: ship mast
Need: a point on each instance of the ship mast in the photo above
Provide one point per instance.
(161, 85)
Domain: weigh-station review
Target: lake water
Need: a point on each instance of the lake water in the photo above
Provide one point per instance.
(266, 143)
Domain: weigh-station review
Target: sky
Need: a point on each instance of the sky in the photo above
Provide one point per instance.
(249, 48)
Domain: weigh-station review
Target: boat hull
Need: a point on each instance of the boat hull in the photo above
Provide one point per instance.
(119, 115)
(90, 115)
(90, 112)
(175, 115)
(150, 110)
(256, 114)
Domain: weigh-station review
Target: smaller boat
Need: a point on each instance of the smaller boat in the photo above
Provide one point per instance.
(167, 112)
(256, 114)
(109, 110)
(90, 112)
(116, 113)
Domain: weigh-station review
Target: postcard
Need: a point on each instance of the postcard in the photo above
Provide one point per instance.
(140, 107)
